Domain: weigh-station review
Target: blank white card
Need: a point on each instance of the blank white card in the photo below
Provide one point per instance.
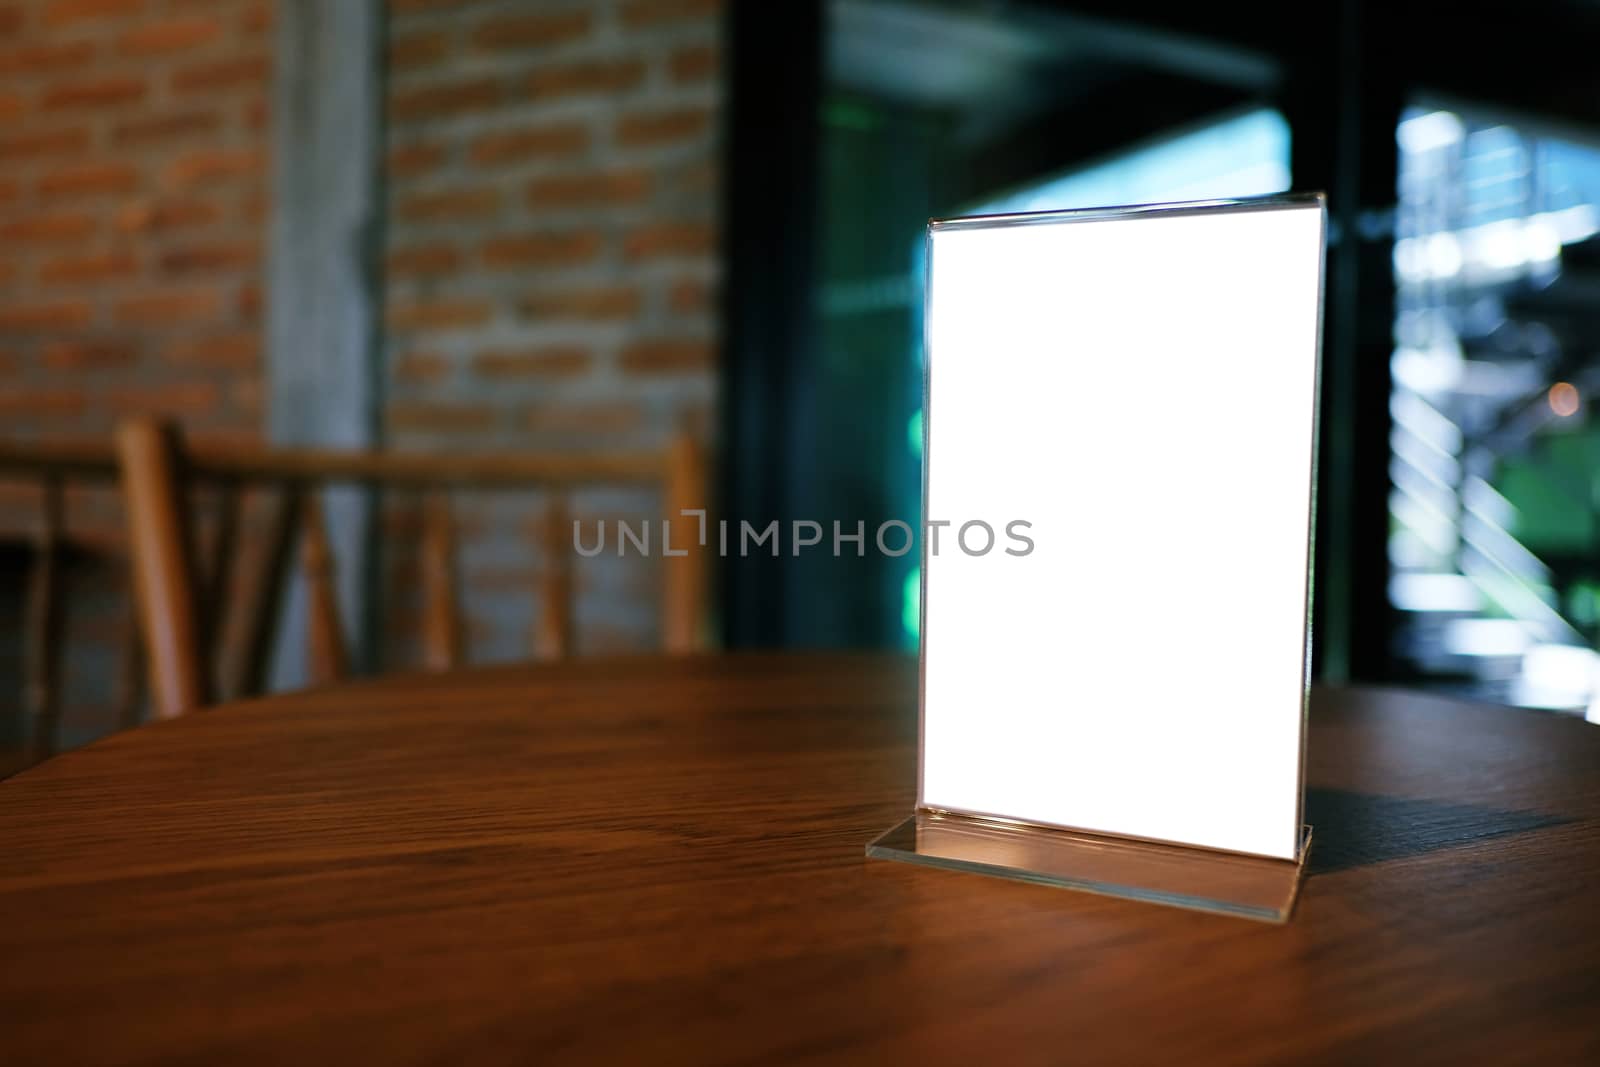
(1140, 390)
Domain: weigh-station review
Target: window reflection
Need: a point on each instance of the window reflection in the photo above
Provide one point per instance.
(1493, 512)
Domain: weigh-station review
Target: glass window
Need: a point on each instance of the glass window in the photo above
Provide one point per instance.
(1493, 512)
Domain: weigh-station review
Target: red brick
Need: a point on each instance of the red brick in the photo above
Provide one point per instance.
(10, 20)
(699, 180)
(210, 257)
(160, 128)
(12, 106)
(235, 351)
(570, 419)
(538, 142)
(608, 188)
(693, 65)
(56, 141)
(215, 165)
(421, 368)
(424, 259)
(559, 361)
(449, 205)
(93, 93)
(171, 35)
(95, 268)
(62, 12)
(93, 179)
(59, 315)
(398, 6)
(436, 417)
(650, 12)
(46, 56)
(666, 357)
(599, 303)
(689, 296)
(445, 100)
(172, 399)
(646, 128)
(414, 51)
(411, 160)
(43, 229)
(87, 355)
(539, 249)
(35, 402)
(247, 303)
(532, 30)
(440, 314)
(258, 17)
(584, 77)
(671, 239)
(253, 71)
(171, 307)
(257, 114)
(168, 215)
(254, 206)
(246, 394)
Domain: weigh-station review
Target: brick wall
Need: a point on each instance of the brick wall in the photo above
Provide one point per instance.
(551, 262)
(551, 183)
(133, 187)
(132, 192)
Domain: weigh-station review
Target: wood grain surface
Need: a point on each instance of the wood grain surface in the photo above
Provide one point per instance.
(660, 861)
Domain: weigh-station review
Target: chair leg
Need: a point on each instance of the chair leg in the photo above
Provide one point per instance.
(327, 660)
(553, 633)
(161, 543)
(441, 615)
(684, 592)
(249, 632)
(131, 679)
(219, 566)
(45, 617)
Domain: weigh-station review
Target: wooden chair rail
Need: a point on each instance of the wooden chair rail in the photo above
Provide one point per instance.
(191, 648)
(311, 466)
(182, 606)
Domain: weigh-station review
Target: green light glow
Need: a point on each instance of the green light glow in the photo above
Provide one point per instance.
(911, 603)
(914, 433)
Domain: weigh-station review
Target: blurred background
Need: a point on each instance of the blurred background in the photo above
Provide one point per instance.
(561, 226)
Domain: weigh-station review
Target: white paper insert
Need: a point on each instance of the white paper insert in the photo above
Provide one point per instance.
(1142, 390)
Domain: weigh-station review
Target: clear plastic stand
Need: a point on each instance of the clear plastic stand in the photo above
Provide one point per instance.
(1137, 387)
(1251, 887)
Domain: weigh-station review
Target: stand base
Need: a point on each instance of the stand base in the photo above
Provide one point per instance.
(1252, 887)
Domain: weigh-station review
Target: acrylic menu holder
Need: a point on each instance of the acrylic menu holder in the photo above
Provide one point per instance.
(1252, 887)
(1115, 701)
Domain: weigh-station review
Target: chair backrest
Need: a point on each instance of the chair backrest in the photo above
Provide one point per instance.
(199, 645)
(39, 549)
(37, 553)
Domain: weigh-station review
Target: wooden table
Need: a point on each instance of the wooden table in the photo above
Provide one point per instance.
(656, 861)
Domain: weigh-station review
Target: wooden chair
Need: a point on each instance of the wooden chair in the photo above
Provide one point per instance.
(193, 651)
(42, 551)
